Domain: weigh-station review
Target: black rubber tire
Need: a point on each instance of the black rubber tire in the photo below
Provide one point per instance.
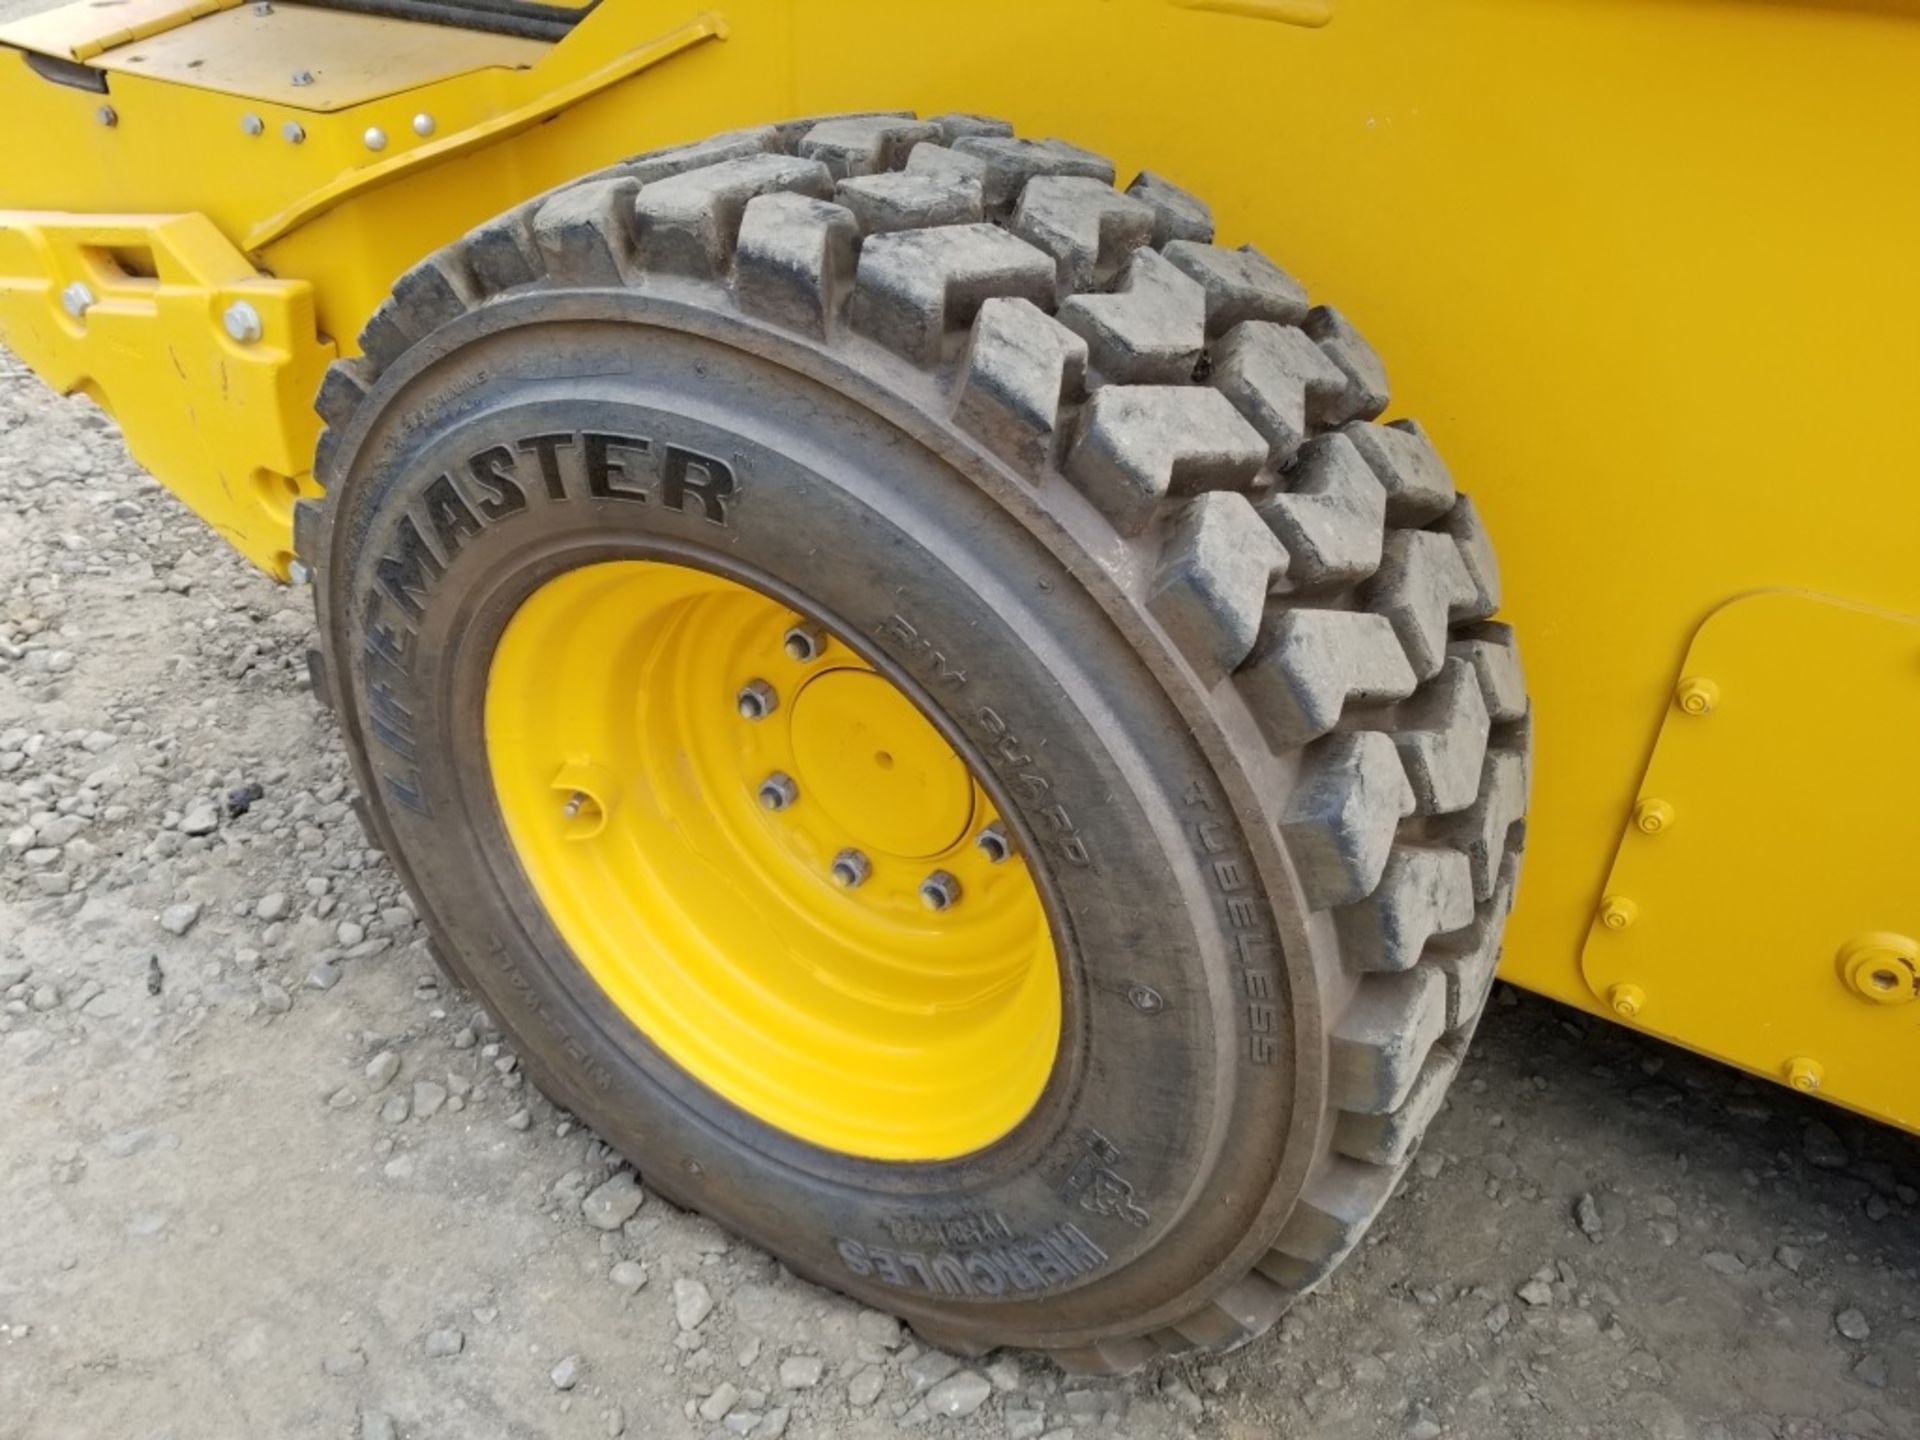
(988, 417)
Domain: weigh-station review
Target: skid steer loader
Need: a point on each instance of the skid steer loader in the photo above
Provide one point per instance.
(924, 678)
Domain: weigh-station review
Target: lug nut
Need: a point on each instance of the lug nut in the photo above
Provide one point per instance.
(805, 642)
(940, 891)
(757, 700)
(995, 843)
(77, 299)
(778, 791)
(851, 869)
(575, 803)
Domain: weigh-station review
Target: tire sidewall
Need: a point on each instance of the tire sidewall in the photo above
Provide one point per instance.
(1105, 1203)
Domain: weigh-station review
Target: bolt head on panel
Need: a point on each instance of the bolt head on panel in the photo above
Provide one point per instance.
(1617, 912)
(243, 323)
(1697, 695)
(1653, 817)
(1805, 1074)
(1627, 1000)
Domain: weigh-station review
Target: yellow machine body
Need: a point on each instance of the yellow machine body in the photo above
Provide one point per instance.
(1641, 266)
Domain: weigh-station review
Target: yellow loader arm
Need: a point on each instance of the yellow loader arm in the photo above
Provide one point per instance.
(1644, 267)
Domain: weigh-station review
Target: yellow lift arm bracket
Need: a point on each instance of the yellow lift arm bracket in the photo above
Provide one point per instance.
(209, 366)
(1790, 736)
(543, 107)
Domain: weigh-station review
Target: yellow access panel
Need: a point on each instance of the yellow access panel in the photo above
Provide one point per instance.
(1641, 266)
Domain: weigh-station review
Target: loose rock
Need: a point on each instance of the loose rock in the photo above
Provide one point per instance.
(612, 1204)
(692, 1303)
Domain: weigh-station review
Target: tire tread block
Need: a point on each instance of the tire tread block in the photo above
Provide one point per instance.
(1138, 444)
(1332, 514)
(1311, 664)
(959, 124)
(1088, 227)
(1241, 285)
(1389, 1140)
(585, 232)
(1214, 575)
(915, 286)
(1242, 1311)
(503, 254)
(678, 159)
(1442, 735)
(1481, 831)
(1367, 393)
(1021, 366)
(864, 144)
(343, 389)
(943, 162)
(1418, 484)
(1280, 380)
(1339, 822)
(1421, 582)
(434, 292)
(1463, 523)
(1177, 214)
(1495, 658)
(794, 260)
(689, 222)
(1011, 162)
(1338, 1207)
(1423, 892)
(1383, 1038)
(908, 200)
(1150, 330)
(1470, 961)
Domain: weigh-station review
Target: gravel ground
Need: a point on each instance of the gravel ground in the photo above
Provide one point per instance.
(264, 1173)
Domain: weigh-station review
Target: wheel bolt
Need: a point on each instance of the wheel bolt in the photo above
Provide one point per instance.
(778, 791)
(806, 642)
(575, 803)
(940, 891)
(995, 843)
(757, 700)
(851, 869)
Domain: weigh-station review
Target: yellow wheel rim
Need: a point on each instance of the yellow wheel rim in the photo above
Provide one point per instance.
(771, 862)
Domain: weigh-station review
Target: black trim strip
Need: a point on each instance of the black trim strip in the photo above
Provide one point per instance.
(67, 72)
(521, 18)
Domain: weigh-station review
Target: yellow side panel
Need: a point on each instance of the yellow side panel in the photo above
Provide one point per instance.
(1764, 905)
